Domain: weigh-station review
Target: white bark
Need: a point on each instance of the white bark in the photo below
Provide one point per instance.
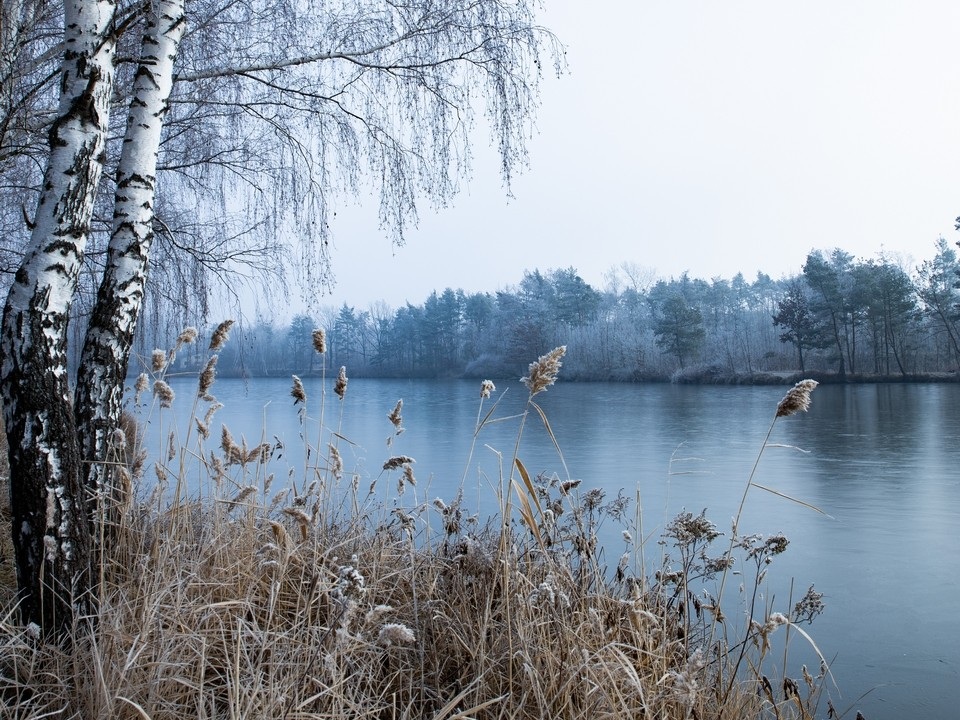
(51, 533)
(106, 350)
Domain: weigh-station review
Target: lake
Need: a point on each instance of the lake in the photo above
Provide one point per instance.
(882, 461)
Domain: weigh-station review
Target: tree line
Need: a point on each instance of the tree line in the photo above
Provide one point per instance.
(838, 315)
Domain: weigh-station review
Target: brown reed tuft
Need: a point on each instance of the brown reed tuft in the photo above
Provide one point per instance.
(797, 398)
(158, 360)
(164, 393)
(220, 335)
(207, 377)
(395, 417)
(233, 453)
(319, 341)
(140, 387)
(543, 372)
(395, 634)
(336, 462)
(298, 393)
(341, 386)
(188, 335)
(396, 461)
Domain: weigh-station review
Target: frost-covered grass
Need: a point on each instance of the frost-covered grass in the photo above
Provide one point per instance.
(310, 596)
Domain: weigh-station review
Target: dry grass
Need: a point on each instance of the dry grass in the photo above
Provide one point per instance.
(316, 602)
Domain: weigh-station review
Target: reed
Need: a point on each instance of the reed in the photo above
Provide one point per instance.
(314, 601)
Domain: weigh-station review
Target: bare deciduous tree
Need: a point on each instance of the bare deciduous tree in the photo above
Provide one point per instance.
(277, 112)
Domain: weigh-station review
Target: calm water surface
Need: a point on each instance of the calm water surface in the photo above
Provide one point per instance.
(883, 461)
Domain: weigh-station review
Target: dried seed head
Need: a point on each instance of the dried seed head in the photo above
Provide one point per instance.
(233, 453)
(396, 461)
(395, 634)
(143, 382)
(567, 485)
(486, 388)
(164, 393)
(395, 417)
(341, 387)
(319, 341)
(336, 462)
(543, 372)
(244, 494)
(808, 607)
(118, 439)
(303, 520)
(158, 360)
(797, 398)
(207, 377)
(188, 335)
(220, 335)
(376, 613)
(298, 393)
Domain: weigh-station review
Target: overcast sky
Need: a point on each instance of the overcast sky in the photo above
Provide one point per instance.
(703, 136)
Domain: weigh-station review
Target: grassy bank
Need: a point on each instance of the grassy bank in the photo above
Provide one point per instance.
(303, 593)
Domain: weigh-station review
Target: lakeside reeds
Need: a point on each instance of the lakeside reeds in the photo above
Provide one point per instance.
(321, 600)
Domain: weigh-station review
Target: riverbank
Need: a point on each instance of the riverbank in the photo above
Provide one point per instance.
(698, 375)
(327, 598)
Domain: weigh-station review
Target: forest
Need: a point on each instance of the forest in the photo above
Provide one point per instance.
(839, 316)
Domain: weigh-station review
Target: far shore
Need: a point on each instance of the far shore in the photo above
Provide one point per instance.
(700, 375)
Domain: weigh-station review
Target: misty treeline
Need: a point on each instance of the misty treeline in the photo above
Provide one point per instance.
(838, 315)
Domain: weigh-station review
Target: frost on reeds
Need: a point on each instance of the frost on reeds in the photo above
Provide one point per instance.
(797, 398)
(397, 461)
(207, 376)
(395, 634)
(340, 388)
(319, 338)
(395, 418)
(164, 393)
(140, 387)
(543, 372)
(158, 361)
(220, 335)
(303, 605)
(187, 335)
(487, 388)
(297, 392)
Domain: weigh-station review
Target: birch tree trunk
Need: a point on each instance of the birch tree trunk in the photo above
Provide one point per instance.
(50, 528)
(106, 351)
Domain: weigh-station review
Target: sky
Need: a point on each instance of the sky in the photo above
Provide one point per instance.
(703, 137)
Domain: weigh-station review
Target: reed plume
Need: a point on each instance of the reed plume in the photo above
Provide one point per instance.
(297, 392)
(187, 335)
(341, 386)
(797, 398)
(396, 461)
(207, 377)
(395, 417)
(486, 388)
(543, 372)
(158, 360)
(164, 393)
(319, 341)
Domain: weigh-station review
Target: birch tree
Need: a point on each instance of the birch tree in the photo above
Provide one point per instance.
(248, 121)
(50, 526)
(109, 336)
